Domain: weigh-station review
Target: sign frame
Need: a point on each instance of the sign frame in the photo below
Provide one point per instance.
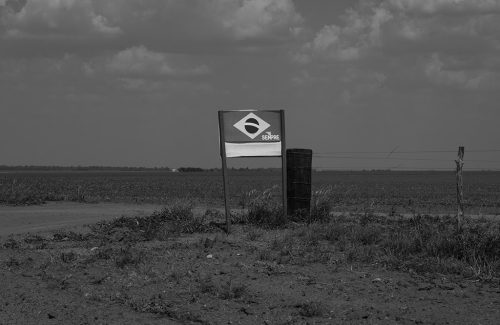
(222, 138)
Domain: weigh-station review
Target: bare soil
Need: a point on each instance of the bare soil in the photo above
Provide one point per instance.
(61, 277)
(53, 215)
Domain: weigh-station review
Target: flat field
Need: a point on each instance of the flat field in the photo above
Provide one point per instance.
(346, 264)
(354, 191)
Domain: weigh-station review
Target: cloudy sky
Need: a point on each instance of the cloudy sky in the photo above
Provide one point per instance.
(139, 82)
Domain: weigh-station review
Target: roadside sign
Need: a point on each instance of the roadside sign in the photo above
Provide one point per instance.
(252, 134)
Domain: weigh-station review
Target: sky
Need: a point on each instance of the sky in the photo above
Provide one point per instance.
(365, 84)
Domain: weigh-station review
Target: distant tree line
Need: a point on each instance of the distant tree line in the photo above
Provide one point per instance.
(111, 168)
(190, 169)
(80, 168)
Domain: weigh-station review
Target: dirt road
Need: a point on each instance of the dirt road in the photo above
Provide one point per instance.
(54, 215)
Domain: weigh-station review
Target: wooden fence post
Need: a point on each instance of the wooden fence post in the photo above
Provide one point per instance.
(460, 187)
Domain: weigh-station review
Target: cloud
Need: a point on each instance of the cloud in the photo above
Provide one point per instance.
(362, 30)
(140, 61)
(374, 26)
(135, 68)
(445, 6)
(49, 19)
(440, 73)
(258, 18)
(162, 24)
(93, 26)
(393, 35)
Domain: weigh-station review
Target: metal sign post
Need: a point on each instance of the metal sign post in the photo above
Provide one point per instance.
(252, 134)
(224, 170)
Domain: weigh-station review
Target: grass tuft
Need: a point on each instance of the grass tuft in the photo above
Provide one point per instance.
(264, 210)
(311, 309)
(321, 204)
(161, 225)
(128, 256)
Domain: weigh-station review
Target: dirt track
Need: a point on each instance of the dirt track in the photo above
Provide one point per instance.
(53, 215)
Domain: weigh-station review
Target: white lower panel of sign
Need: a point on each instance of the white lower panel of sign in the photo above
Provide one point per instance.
(253, 149)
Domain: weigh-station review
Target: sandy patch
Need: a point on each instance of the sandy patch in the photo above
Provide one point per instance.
(54, 215)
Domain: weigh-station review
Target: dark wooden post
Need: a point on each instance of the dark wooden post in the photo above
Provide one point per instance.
(460, 187)
(299, 180)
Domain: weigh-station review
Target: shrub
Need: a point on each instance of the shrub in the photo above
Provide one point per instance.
(321, 204)
(68, 257)
(128, 256)
(263, 210)
(477, 245)
(229, 290)
(426, 244)
(311, 309)
(176, 218)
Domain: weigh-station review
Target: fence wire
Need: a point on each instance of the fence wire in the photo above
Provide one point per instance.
(373, 160)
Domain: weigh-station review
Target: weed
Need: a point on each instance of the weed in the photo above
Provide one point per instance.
(175, 275)
(263, 210)
(239, 217)
(161, 225)
(229, 290)
(38, 242)
(157, 304)
(68, 257)
(254, 234)
(104, 253)
(266, 255)
(426, 244)
(207, 285)
(128, 256)
(321, 204)
(311, 309)
(12, 244)
(12, 262)
(69, 236)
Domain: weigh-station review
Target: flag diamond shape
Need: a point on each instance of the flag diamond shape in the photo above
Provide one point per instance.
(251, 125)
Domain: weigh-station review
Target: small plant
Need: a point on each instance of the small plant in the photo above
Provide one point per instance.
(321, 204)
(38, 242)
(311, 309)
(12, 262)
(254, 234)
(266, 255)
(239, 217)
(68, 257)
(161, 225)
(181, 218)
(104, 253)
(175, 275)
(69, 236)
(229, 290)
(11, 243)
(127, 256)
(207, 285)
(263, 210)
(159, 305)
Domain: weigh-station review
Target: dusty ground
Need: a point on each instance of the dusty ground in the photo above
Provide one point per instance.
(54, 215)
(60, 277)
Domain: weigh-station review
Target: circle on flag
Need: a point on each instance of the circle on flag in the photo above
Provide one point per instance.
(252, 125)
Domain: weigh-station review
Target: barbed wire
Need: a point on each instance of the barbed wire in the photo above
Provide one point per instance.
(399, 158)
(361, 169)
(403, 152)
(399, 155)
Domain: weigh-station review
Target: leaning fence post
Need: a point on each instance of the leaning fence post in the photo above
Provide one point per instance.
(460, 187)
